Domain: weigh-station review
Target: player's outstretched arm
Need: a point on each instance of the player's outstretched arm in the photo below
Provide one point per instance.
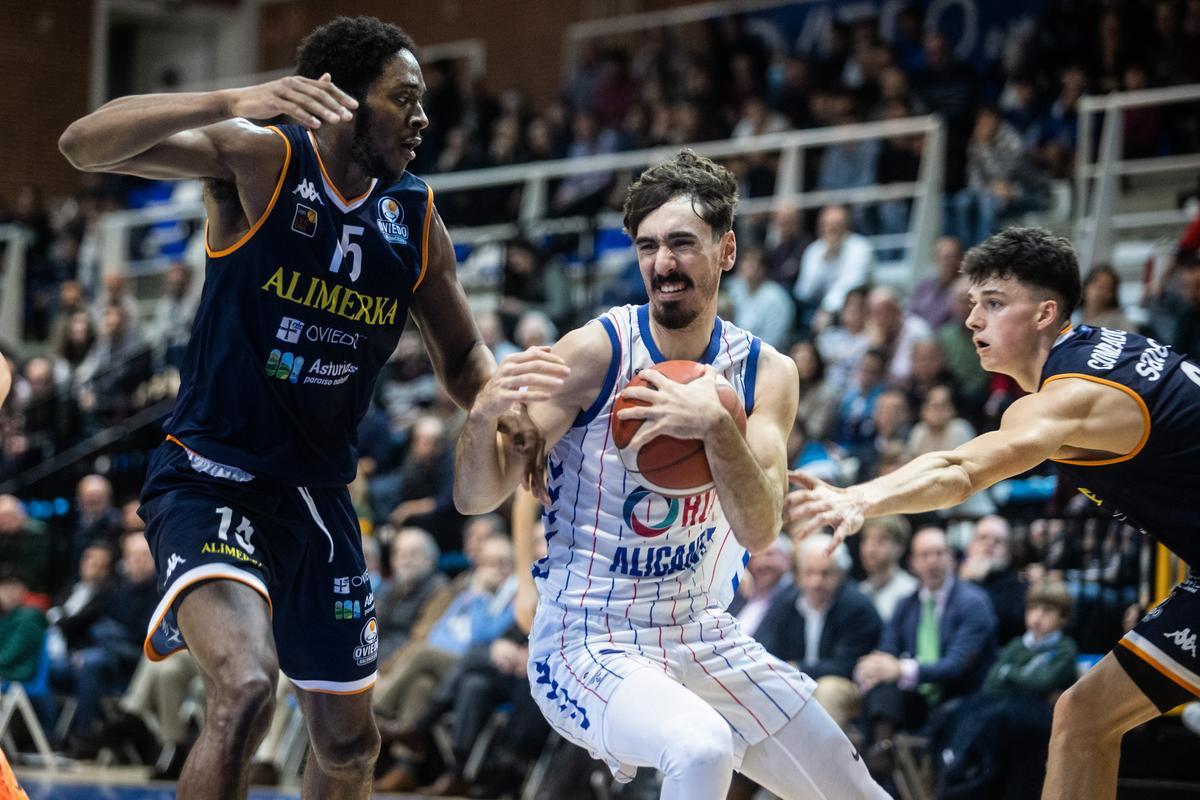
(525, 511)
(197, 134)
(556, 384)
(1033, 429)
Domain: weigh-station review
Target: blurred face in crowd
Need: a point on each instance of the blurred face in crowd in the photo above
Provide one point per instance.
(751, 267)
(115, 286)
(39, 373)
(1043, 620)
(927, 361)
(130, 521)
(79, 328)
(992, 538)
(532, 331)
(495, 563)
(854, 312)
(681, 262)
(475, 532)
(767, 567)
(136, 559)
(95, 565)
(113, 324)
(94, 495)
(885, 313)
(12, 594)
(1100, 290)
(938, 409)
(870, 371)
(947, 254)
(427, 433)
(177, 279)
(70, 295)
(818, 576)
(931, 559)
(878, 550)
(833, 225)
(12, 514)
(412, 558)
(804, 354)
(890, 413)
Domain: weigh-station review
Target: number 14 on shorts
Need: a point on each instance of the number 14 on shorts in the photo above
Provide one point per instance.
(241, 534)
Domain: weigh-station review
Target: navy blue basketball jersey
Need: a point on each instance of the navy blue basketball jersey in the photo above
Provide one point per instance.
(297, 318)
(1154, 487)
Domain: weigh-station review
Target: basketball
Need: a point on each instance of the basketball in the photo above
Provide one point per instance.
(670, 466)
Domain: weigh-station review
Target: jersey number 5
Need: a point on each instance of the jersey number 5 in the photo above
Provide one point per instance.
(348, 251)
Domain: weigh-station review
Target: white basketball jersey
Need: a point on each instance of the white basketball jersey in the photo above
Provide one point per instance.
(615, 545)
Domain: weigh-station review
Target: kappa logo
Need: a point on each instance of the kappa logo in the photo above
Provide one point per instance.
(309, 192)
(1184, 639)
(173, 562)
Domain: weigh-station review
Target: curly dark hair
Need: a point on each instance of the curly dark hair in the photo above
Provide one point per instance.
(353, 50)
(712, 189)
(1034, 257)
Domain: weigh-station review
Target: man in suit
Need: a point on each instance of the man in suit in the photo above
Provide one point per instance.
(823, 624)
(937, 646)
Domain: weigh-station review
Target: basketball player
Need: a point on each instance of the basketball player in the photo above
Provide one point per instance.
(632, 654)
(319, 246)
(1120, 415)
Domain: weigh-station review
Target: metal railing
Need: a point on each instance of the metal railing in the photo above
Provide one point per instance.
(1097, 182)
(534, 180)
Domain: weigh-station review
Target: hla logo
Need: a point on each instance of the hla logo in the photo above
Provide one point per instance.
(284, 366)
(308, 192)
(391, 221)
(1185, 640)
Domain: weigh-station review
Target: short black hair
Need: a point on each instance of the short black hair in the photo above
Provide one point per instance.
(1034, 257)
(353, 50)
(711, 187)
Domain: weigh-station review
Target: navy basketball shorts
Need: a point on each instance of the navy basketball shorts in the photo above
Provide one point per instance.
(1161, 652)
(299, 548)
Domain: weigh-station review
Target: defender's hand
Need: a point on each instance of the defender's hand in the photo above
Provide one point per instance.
(530, 376)
(813, 504)
(682, 410)
(305, 100)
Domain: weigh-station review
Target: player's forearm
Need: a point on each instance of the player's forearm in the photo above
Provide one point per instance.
(464, 379)
(752, 503)
(128, 126)
(481, 482)
(927, 483)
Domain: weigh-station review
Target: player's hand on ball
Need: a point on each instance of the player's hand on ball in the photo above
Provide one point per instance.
(813, 504)
(682, 410)
(531, 376)
(310, 102)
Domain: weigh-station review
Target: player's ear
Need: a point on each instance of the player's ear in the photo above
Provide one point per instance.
(1047, 313)
(728, 251)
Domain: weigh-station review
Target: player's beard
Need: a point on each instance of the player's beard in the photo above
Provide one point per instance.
(675, 316)
(364, 153)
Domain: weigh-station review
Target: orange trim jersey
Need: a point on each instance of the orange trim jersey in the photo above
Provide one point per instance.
(296, 320)
(1154, 486)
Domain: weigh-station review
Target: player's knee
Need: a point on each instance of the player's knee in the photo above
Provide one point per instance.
(698, 744)
(242, 703)
(1079, 712)
(348, 756)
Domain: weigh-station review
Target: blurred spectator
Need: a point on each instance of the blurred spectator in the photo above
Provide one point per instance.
(849, 164)
(87, 601)
(1176, 314)
(760, 305)
(43, 408)
(584, 193)
(881, 546)
(172, 325)
(937, 646)
(899, 162)
(948, 87)
(894, 331)
(818, 408)
(492, 332)
(939, 429)
(1101, 307)
(757, 119)
(415, 580)
(835, 263)
(858, 401)
(786, 242)
(1142, 129)
(995, 744)
(534, 329)
(997, 179)
(933, 298)
(419, 492)
(114, 645)
(988, 564)
(96, 518)
(24, 542)
(843, 343)
(108, 377)
(1060, 127)
(888, 433)
(532, 282)
(1109, 54)
(928, 372)
(70, 300)
(22, 628)
(1021, 109)
(958, 349)
(615, 90)
(823, 624)
(768, 573)
(115, 292)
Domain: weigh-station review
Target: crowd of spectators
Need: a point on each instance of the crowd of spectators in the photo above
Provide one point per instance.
(971, 618)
